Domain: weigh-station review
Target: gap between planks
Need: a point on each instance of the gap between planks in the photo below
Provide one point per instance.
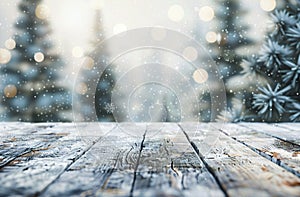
(201, 157)
(170, 172)
(172, 156)
(32, 174)
(249, 137)
(141, 147)
(137, 164)
(8, 136)
(242, 167)
(73, 161)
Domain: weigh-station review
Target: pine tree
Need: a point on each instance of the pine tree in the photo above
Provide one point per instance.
(30, 82)
(232, 37)
(279, 62)
(97, 82)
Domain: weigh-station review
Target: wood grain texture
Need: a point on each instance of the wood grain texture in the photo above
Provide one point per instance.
(17, 140)
(275, 130)
(241, 171)
(106, 169)
(149, 159)
(280, 152)
(52, 150)
(291, 126)
(169, 166)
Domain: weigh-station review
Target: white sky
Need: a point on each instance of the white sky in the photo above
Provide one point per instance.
(72, 20)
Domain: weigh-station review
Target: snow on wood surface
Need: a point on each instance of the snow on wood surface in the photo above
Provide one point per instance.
(157, 159)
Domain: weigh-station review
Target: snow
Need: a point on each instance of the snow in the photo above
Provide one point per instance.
(169, 62)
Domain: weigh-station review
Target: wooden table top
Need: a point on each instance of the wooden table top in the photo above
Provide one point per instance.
(149, 159)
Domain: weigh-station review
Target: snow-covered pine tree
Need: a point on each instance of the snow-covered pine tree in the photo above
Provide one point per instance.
(279, 62)
(232, 36)
(98, 102)
(30, 80)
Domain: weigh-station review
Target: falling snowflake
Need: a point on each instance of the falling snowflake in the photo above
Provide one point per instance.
(109, 107)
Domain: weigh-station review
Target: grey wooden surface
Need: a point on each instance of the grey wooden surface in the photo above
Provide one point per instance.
(149, 159)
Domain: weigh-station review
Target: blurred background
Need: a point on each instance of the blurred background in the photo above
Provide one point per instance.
(50, 56)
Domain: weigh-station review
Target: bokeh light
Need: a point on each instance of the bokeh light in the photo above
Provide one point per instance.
(39, 57)
(81, 88)
(190, 53)
(176, 13)
(206, 13)
(10, 91)
(119, 28)
(267, 5)
(211, 37)
(10, 44)
(200, 76)
(77, 52)
(88, 63)
(42, 11)
(5, 56)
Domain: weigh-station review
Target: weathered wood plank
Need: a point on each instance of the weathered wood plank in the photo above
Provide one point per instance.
(90, 159)
(280, 152)
(18, 127)
(242, 172)
(29, 174)
(169, 166)
(276, 131)
(291, 126)
(107, 169)
(19, 140)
